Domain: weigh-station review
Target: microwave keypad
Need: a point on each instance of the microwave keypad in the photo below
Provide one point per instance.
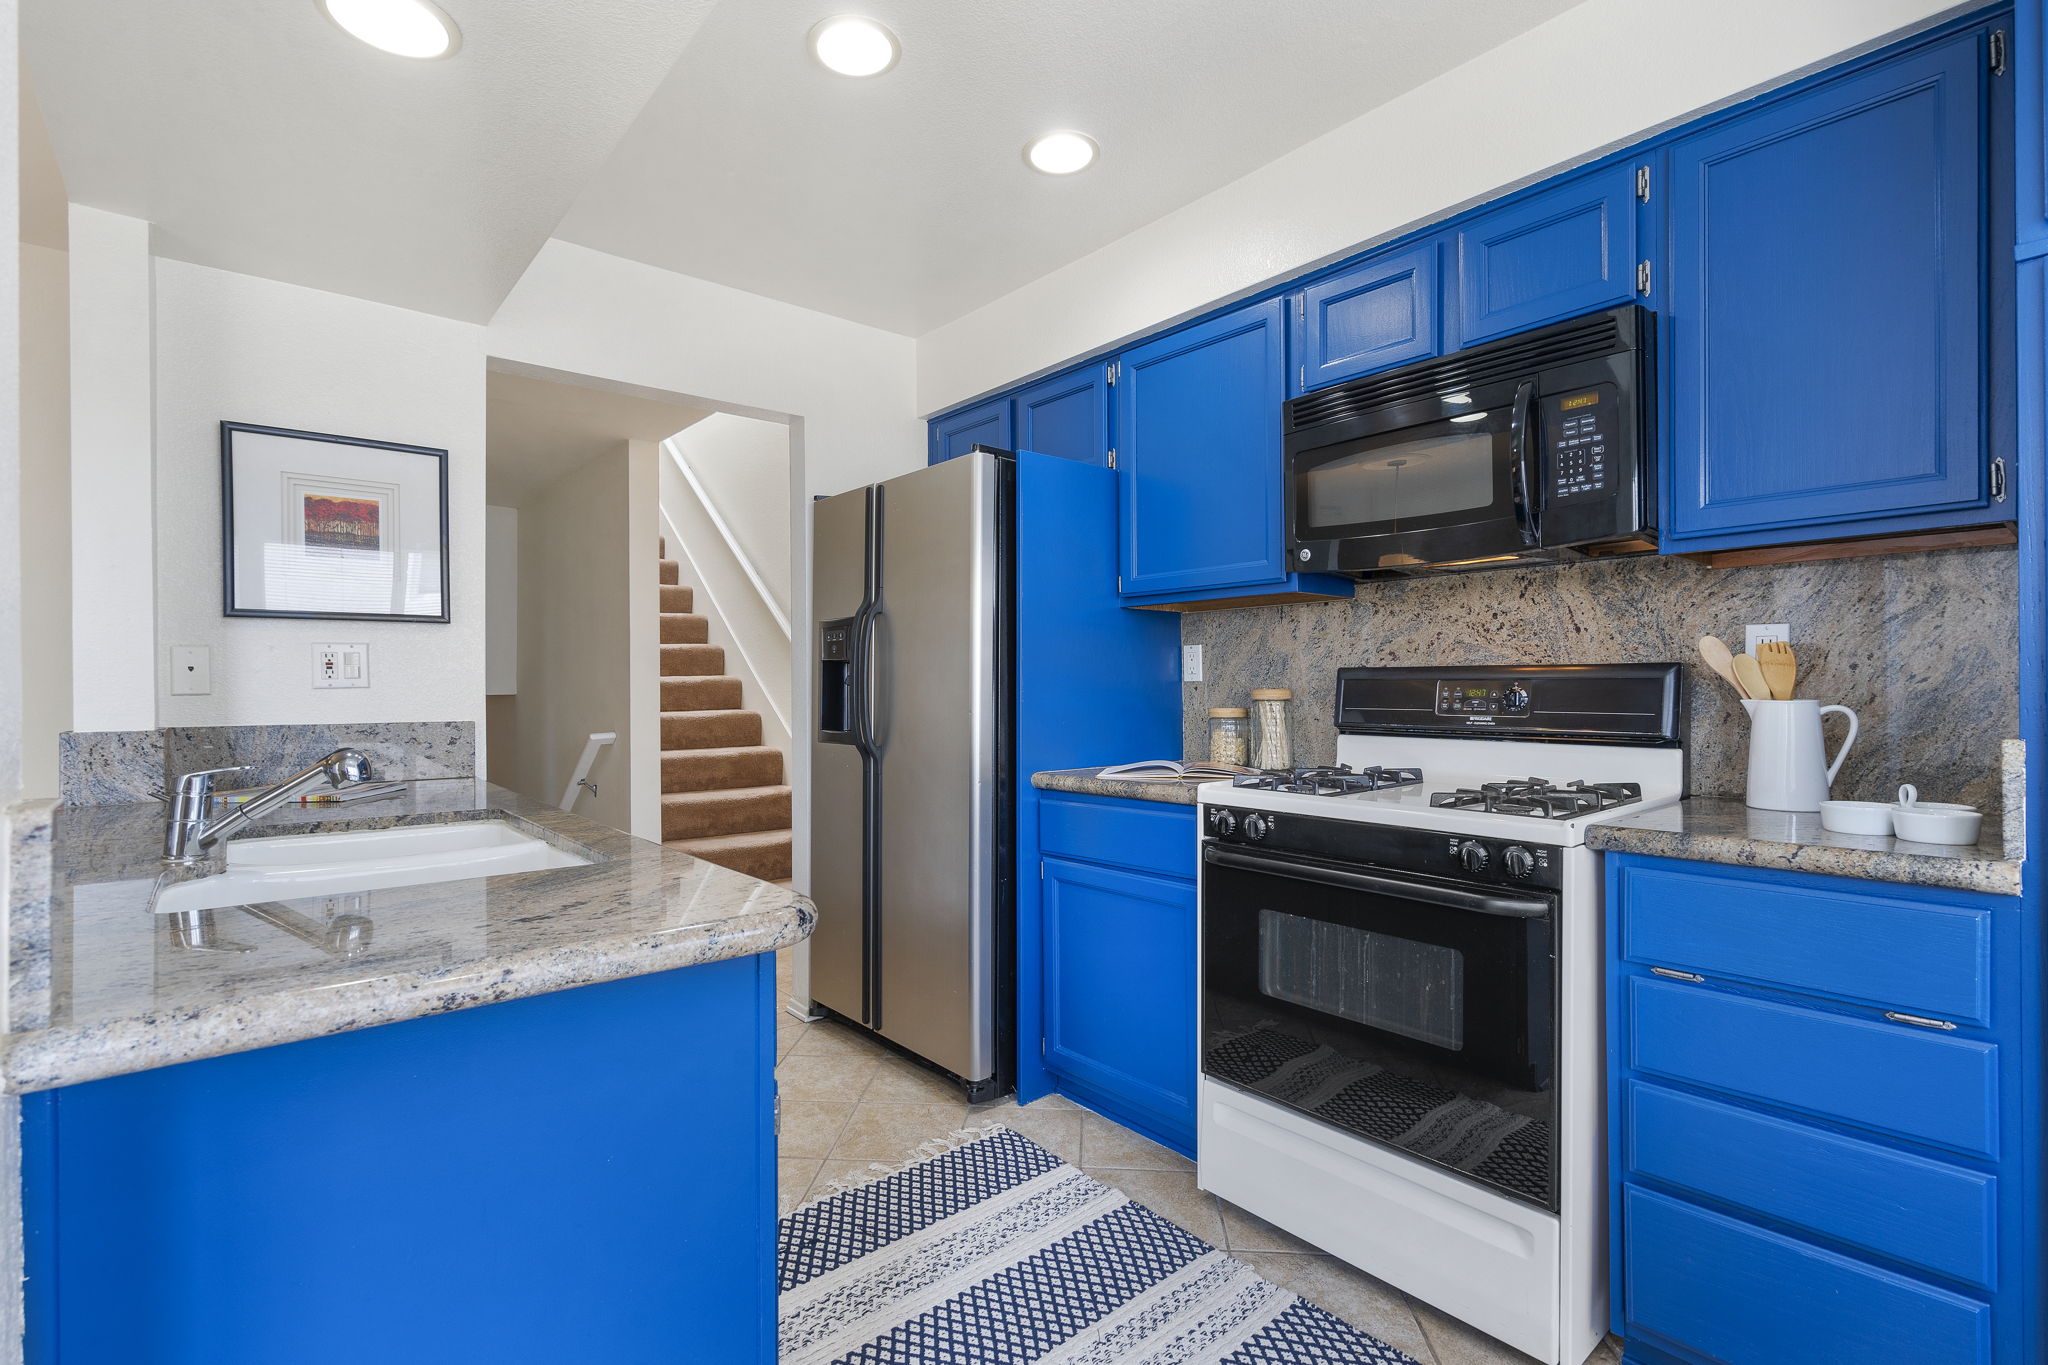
(1580, 431)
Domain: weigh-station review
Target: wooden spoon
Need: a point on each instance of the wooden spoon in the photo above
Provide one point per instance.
(1720, 660)
(1749, 678)
(1780, 668)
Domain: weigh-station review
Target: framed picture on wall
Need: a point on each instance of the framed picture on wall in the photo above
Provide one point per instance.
(332, 527)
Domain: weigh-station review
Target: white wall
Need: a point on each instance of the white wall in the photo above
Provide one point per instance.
(501, 600)
(236, 348)
(45, 514)
(1597, 77)
(742, 464)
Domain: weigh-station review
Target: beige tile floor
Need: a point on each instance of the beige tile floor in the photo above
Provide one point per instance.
(847, 1104)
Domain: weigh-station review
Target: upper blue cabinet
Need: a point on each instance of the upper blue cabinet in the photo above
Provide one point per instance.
(1198, 454)
(1067, 415)
(1554, 254)
(959, 432)
(1826, 309)
(1387, 311)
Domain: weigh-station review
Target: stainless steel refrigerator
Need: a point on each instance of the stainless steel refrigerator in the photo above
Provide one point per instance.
(913, 604)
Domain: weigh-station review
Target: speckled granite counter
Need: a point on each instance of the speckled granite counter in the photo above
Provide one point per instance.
(1091, 782)
(1707, 829)
(99, 986)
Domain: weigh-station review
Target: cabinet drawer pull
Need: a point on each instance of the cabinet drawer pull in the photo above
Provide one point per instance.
(1920, 1019)
(1676, 975)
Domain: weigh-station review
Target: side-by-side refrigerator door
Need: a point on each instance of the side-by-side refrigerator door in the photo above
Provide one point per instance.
(840, 602)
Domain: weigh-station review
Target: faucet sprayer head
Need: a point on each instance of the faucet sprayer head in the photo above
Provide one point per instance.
(345, 767)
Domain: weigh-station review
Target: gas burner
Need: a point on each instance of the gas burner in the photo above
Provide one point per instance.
(1340, 780)
(1543, 800)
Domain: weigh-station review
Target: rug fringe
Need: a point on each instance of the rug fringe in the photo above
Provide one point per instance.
(938, 1146)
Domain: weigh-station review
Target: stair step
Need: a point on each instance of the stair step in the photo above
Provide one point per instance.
(675, 597)
(705, 815)
(671, 571)
(709, 729)
(678, 628)
(709, 693)
(701, 770)
(692, 661)
(768, 854)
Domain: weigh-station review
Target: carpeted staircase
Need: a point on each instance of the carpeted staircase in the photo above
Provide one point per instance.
(724, 798)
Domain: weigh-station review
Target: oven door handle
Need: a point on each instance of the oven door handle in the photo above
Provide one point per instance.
(1528, 516)
(1453, 897)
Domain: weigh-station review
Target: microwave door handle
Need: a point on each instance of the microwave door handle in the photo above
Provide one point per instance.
(1528, 519)
(1451, 897)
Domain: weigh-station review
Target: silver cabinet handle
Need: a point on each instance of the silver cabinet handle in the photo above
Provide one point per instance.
(1676, 975)
(1920, 1019)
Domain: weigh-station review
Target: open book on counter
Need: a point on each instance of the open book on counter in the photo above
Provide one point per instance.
(1168, 770)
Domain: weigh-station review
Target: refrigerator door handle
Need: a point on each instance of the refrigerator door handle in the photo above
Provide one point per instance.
(865, 675)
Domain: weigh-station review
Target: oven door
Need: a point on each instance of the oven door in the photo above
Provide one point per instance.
(1412, 1011)
(1432, 482)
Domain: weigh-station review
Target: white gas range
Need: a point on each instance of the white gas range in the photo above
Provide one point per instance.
(1402, 1058)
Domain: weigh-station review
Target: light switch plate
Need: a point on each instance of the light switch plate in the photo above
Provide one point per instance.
(1190, 663)
(341, 665)
(1752, 636)
(191, 670)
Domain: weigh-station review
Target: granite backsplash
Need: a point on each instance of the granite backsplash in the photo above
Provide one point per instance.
(101, 766)
(1923, 647)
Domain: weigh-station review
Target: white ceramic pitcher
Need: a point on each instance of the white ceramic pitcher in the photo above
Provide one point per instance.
(1788, 764)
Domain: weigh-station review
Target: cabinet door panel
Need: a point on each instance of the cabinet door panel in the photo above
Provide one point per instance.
(960, 432)
(1067, 416)
(1826, 303)
(1565, 251)
(1383, 313)
(1198, 450)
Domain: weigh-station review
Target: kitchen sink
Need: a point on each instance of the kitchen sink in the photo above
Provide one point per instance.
(292, 866)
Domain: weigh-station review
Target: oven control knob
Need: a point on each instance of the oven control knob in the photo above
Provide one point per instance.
(1255, 826)
(1224, 821)
(1520, 861)
(1516, 698)
(1473, 856)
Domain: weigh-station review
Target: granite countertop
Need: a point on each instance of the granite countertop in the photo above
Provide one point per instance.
(1091, 782)
(1723, 830)
(100, 986)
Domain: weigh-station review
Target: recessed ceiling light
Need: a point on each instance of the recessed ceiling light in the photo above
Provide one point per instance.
(853, 46)
(406, 28)
(1061, 153)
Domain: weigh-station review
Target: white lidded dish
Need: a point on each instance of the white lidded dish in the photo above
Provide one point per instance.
(1934, 822)
(1857, 817)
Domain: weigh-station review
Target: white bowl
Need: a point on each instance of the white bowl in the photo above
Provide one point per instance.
(1857, 817)
(1936, 822)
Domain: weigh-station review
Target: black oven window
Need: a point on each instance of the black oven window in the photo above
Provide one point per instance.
(1426, 477)
(1383, 981)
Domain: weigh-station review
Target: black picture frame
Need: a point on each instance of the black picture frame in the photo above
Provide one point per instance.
(229, 606)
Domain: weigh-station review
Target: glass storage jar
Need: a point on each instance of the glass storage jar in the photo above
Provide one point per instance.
(1272, 745)
(1230, 735)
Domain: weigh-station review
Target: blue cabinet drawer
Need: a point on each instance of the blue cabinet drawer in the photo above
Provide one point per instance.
(1147, 836)
(1933, 1215)
(1896, 1078)
(1825, 937)
(1745, 1296)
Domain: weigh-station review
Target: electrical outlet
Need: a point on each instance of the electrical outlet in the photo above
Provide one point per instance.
(191, 670)
(1190, 663)
(341, 665)
(1752, 636)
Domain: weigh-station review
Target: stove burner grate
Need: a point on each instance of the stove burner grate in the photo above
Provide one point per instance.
(1540, 799)
(1340, 780)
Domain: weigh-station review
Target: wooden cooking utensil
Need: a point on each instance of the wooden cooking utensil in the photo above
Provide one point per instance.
(1780, 668)
(1720, 660)
(1749, 678)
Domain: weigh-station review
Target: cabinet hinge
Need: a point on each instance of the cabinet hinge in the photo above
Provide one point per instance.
(1119, 583)
(1112, 457)
(1301, 306)
(778, 1113)
(1998, 479)
(1643, 277)
(1041, 869)
(1642, 184)
(1304, 377)
(1998, 52)
(1111, 370)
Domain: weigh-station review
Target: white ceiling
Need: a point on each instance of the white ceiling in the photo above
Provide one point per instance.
(903, 200)
(536, 430)
(258, 137)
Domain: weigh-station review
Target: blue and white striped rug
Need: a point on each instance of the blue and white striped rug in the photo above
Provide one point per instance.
(996, 1252)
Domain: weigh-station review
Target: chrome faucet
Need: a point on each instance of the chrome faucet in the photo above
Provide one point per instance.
(189, 834)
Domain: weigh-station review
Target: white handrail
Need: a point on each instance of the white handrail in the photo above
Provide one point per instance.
(598, 739)
(725, 532)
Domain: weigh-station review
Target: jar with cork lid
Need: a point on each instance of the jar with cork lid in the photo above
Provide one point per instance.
(1272, 742)
(1230, 735)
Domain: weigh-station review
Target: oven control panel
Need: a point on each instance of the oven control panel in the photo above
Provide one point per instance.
(1380, 851)
(1484, 697)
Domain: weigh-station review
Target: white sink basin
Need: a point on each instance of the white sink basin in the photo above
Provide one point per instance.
(293, 866)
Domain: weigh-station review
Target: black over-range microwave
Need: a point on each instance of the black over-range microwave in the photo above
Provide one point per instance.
(1536, 447)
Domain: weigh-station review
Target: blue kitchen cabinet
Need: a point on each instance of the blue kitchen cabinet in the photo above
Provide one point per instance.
(956, 433)
(1386, 311)
(1067, 415)
(1118, 907)
(1554, 254)
(1782, 1045)
(1826, 313)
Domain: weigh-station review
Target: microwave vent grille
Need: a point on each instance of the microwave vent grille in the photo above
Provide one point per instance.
(1587, 338)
